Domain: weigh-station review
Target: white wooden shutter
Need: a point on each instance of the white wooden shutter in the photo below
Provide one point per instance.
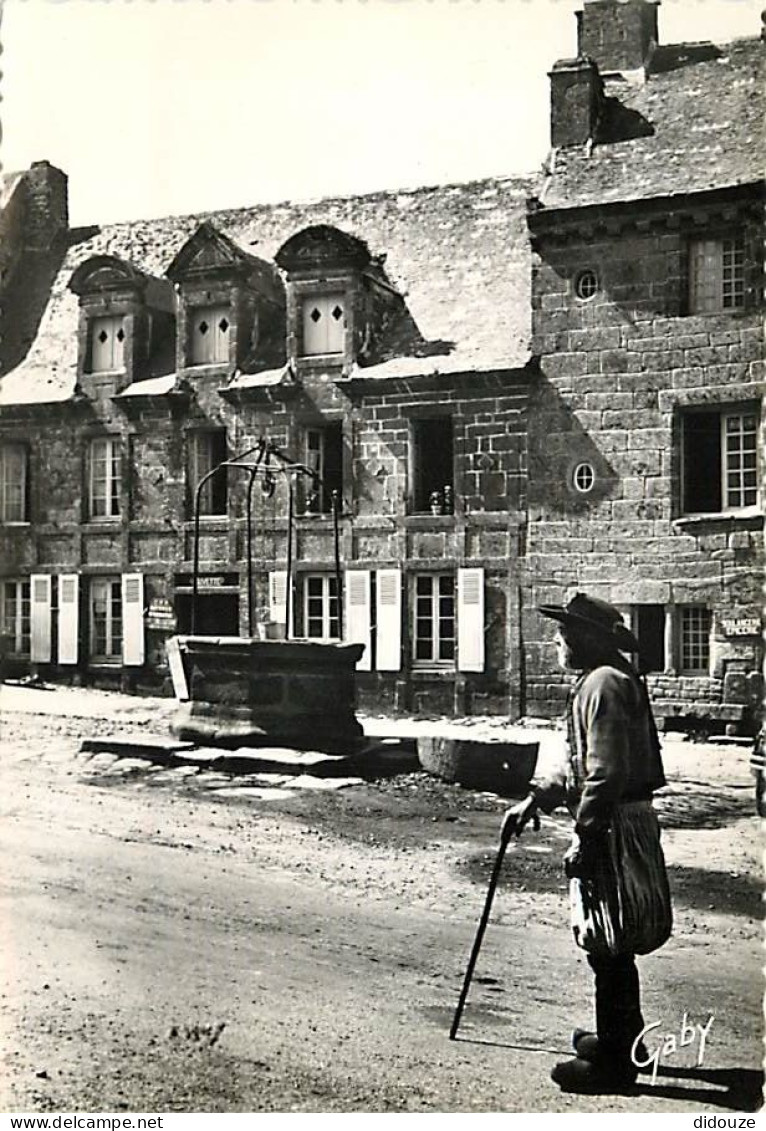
(40, 643)
(388, 620)
(357, 592)
(176, 665)
(324, 324)
(278, 596)
(132, 619)
(69, 619)
(470, 620)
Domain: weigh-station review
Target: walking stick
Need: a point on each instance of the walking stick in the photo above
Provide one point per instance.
(483, 926)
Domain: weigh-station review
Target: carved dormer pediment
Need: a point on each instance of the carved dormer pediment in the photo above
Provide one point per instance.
(322, 246)
(209, 253)
(107, 273)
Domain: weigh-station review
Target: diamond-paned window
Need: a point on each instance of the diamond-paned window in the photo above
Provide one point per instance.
(324, 325)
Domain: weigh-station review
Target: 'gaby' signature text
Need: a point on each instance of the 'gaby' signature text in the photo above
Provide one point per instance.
(670, 1043)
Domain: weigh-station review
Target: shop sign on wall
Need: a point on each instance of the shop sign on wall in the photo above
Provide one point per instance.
(160, 615)
(741, 626)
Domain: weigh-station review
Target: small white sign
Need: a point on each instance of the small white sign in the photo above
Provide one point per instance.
(742, 626)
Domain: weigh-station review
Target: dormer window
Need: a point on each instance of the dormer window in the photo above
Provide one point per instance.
(230, 306)
(209, 335)
(127, 319)
(324, 324)
(107, 344)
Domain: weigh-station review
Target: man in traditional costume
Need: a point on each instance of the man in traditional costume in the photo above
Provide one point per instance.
(618, 884)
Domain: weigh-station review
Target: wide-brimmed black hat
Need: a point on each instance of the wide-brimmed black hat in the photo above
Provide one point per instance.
(596, 616)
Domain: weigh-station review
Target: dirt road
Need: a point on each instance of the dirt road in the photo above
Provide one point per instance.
(173, 944)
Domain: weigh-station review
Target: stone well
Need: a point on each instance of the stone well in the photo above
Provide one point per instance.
(239, 691)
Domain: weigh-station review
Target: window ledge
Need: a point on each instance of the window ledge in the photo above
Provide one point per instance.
(726, 312)
(16, 524)
(440, 674)
(683, 522)
(99, 525)
(429, 520)
(205, 368)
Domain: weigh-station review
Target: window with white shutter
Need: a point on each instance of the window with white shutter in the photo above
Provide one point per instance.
(69, 607)
(388, 620)
(358, 591)
(107, 344)
(16, 620)
(470, 620)
(105, 607)
(320, 607)
(209, 328)
(40, 643)
(132, 619)
(434, 619)
(324, 324)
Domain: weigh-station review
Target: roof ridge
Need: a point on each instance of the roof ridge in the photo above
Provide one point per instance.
(521, 179)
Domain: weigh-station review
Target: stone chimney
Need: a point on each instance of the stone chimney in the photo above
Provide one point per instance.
(47, 205)
(619, 35)
(576, 93)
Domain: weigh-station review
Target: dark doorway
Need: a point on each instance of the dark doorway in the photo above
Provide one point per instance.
(217, 614)
(650, 626)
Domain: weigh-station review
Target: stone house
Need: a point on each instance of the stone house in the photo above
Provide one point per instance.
(381, 340)
(510, 389)
(644, 474)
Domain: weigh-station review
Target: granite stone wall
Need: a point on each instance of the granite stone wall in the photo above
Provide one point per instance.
(617, 373)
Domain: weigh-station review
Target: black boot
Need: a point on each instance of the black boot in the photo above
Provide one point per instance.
(594, 1077)
(585, 1044)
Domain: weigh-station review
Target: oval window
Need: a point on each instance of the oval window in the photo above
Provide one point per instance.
(584, 477)
(586, 283)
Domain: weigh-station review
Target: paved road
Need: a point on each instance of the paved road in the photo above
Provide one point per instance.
(169, 950)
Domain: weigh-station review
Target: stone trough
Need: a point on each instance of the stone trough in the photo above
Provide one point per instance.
(240, 691)
(501, 767)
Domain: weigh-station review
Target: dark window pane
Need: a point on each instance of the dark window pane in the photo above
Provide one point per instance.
(702, 462)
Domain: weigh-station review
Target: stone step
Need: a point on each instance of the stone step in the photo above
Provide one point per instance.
(378, 758)
(154, 746)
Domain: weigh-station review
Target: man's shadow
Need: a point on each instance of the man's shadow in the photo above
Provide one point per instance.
(740, 1089)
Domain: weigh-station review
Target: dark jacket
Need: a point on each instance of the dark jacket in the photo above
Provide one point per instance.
(613, 753)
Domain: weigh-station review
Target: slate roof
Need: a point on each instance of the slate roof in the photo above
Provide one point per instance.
(706, 108)
(458, 254)
(8, 182)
